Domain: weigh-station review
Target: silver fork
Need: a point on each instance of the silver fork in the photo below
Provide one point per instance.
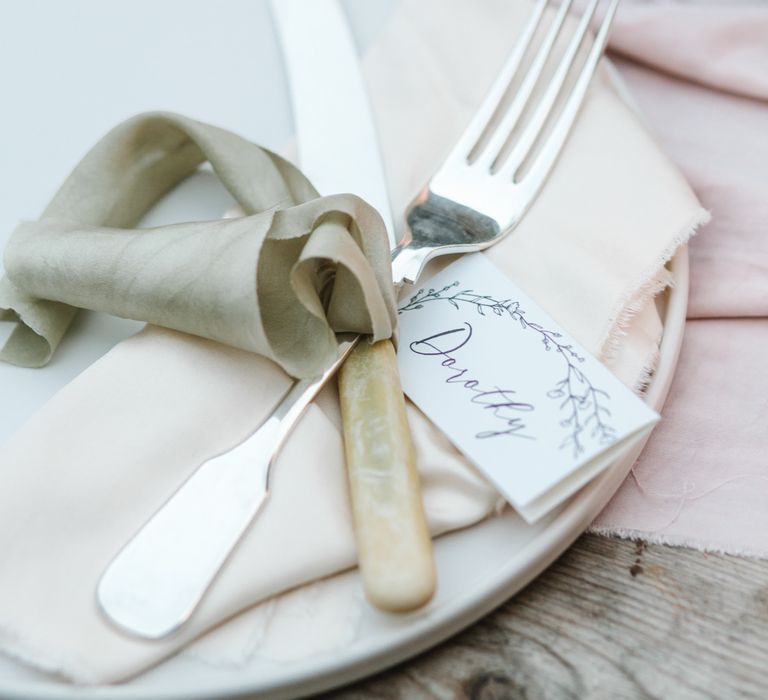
(477, 197)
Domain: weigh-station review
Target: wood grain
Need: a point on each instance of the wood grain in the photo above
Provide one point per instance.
(611, 619)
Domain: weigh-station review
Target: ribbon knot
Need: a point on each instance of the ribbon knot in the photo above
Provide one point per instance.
(259, 283)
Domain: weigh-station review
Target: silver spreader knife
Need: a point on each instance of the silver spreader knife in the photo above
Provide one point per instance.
(154, 584)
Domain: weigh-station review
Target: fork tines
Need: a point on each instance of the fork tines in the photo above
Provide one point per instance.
(501, 138)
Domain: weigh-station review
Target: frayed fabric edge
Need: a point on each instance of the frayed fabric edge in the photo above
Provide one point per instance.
(646, 373)
(18, 648)
(676, 541)
(651, 284)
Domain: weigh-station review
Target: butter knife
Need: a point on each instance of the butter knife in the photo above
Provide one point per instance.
(154, 584)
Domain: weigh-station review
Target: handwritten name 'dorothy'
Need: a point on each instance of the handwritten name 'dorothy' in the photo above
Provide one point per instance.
(499, 402)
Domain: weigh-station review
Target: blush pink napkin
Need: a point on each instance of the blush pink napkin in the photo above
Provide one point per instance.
(700, 75)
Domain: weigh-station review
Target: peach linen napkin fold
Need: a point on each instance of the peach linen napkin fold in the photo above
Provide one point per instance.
(109, 448)
(700, 75)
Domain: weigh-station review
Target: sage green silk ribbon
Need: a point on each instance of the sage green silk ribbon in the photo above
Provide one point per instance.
(259, 282)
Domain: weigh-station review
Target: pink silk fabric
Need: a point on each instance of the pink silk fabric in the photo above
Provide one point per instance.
(699, 73)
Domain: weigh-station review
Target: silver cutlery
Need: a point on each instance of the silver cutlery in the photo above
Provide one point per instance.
(477, 196)
(338, 151)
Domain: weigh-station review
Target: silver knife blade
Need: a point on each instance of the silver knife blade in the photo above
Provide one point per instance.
(337, 140)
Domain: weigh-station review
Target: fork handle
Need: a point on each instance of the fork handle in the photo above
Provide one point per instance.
(408, 262)
(393, 541)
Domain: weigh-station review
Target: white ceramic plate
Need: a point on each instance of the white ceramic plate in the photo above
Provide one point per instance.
(480, 567)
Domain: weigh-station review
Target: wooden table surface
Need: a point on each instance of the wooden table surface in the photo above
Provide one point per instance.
(611, 619)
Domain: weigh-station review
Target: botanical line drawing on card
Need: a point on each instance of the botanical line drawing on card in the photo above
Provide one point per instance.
(582, 403)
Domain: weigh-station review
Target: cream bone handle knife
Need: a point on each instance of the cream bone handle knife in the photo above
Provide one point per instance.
(338, 151)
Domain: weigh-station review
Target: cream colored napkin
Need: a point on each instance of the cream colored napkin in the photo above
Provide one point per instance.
(109, 448)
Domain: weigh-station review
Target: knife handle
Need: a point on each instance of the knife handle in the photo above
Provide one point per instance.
(393, 542)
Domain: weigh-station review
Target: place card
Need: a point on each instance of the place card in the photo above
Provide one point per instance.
(535, 412)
